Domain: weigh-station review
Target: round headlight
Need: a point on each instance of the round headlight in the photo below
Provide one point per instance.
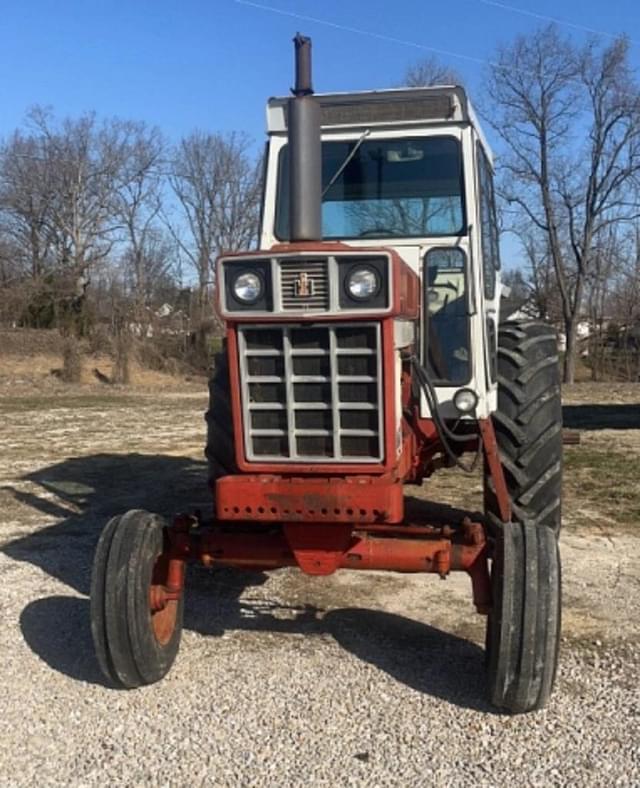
(363, 283)
(247, 287)
(465, 400)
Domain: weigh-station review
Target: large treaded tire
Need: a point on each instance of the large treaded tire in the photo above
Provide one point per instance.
(133, 647)
(528, 423)
(523, 628)
(220, 451)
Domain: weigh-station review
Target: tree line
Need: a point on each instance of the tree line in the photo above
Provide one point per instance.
(104, 221)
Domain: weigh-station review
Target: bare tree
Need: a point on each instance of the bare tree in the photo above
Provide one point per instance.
(569, 119)
(430, 71)
(138, 203)
(149, 267)
(539, 276)
(84, 160)
(625, 298)
(606, 263)
(623, 306)
(26, 196)
(217, 184)
(55, 205)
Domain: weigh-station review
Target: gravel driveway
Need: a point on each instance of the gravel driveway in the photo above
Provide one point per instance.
(355, 679)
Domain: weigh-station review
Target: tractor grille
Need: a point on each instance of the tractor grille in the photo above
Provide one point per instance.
(304, 285)
(312, 393)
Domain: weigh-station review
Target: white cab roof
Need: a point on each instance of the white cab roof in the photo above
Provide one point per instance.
(440, 105)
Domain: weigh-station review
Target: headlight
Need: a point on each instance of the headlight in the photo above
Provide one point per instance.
(465, 400)
(247, 287)
(363, 283)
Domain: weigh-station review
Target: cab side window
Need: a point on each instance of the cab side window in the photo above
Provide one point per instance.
(448, 352)
(488, 224)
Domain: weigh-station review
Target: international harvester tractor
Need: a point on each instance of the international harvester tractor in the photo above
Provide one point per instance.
(364, 351)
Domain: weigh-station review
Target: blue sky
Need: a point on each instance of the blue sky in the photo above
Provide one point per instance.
(184, 64)
(211, 64)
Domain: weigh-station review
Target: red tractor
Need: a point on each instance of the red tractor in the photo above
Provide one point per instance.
(363, 353)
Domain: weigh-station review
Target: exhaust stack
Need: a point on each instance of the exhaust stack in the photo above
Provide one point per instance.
(305, 159)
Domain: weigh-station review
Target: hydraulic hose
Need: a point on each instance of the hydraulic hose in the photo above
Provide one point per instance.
(447, 437)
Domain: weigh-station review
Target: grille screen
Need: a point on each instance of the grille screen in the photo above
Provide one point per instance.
(425, 108)
(312, 392)
(304, 284)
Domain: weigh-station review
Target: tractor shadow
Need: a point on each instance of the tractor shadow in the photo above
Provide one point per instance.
(85, 492)
(601, 417)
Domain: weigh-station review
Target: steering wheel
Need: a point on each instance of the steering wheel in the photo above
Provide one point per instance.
(435, 293)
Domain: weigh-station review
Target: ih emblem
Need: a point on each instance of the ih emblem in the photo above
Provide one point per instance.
(303, 286)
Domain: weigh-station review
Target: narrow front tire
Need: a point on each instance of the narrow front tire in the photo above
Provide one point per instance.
(135, 644)
(523, 628)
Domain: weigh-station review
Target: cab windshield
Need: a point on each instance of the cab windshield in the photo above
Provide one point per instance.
(388, 188)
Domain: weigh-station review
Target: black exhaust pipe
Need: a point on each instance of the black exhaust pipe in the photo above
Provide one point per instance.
(305, 156)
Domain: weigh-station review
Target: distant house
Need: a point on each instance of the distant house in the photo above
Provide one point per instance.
(514, 308)
(164, 320)
(583, 332)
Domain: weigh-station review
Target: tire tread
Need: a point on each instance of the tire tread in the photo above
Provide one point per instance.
(220, 447)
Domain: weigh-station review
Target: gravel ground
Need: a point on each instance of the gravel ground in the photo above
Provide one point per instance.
(356, 679)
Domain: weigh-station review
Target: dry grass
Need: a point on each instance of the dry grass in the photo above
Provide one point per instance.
(609, 393)
(71, 402)
(602, 474)
(42, 372)
(43, 362)
(605, 485)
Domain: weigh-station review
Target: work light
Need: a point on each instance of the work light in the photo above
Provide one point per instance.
(465, 400)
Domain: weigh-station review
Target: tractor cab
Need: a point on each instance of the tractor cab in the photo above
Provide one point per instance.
(406, 170)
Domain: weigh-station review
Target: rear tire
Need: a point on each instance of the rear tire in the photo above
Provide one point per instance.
(220, 450)
(523, 627)
(134, 645)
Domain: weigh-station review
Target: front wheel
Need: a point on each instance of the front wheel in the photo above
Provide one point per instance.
(135, 642)
(523, 628)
